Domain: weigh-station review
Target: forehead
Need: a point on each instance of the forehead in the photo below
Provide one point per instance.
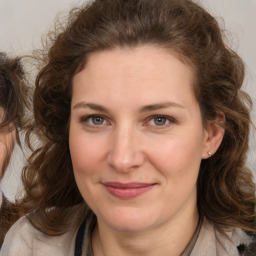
(141, 60)
(139, 52)
(141, 75)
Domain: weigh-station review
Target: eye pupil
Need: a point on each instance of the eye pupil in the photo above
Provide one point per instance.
(160, 121)
(97, 120)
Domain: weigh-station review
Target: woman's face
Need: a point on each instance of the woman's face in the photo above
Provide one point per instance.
(136, 137)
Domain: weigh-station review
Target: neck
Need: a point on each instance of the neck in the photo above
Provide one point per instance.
(169, 239)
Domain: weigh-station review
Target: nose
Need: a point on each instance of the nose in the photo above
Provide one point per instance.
(125, 152)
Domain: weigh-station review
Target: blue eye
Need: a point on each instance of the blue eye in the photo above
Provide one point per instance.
(95, 120)
(159, 120)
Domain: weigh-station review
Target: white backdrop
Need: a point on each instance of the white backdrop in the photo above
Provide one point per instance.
(23, 22)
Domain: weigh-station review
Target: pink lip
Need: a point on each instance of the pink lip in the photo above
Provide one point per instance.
(127, 190)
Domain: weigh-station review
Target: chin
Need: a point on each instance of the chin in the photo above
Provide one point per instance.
(130, 220)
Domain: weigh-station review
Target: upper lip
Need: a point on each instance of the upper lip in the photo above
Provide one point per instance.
(127, 185)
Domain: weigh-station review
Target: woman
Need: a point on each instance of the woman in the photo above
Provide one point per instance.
(138, 108)
(13, 100)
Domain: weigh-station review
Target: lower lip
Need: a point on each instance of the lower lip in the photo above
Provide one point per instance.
(128, 193)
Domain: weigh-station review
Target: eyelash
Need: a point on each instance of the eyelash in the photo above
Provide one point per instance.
(87, 118)
(168, 119)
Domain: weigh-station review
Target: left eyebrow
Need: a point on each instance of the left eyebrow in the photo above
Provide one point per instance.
(158, 106)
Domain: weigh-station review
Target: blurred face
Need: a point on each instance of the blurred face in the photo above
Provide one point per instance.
(6, 142)
(136, 137)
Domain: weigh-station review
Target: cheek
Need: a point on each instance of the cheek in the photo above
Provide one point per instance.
(86, 154)
(2, 157)
(177, 156)
(6, 148)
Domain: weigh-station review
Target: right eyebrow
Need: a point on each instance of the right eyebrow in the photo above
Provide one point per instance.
(93, 106)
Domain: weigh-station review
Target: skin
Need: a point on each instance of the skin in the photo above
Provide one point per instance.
(7, 137)
(135, 118)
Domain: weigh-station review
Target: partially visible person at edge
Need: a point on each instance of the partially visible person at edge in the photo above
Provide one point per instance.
(144, 133)
(13, 102)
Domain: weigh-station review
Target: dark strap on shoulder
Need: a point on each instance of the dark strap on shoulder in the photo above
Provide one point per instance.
(80, 239)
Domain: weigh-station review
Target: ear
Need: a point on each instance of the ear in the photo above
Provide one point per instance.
(214, 133)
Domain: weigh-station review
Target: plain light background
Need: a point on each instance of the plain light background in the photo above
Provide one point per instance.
(23, 23)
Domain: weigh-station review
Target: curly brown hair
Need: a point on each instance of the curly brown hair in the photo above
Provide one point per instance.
(13, 102)
(226, 193)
